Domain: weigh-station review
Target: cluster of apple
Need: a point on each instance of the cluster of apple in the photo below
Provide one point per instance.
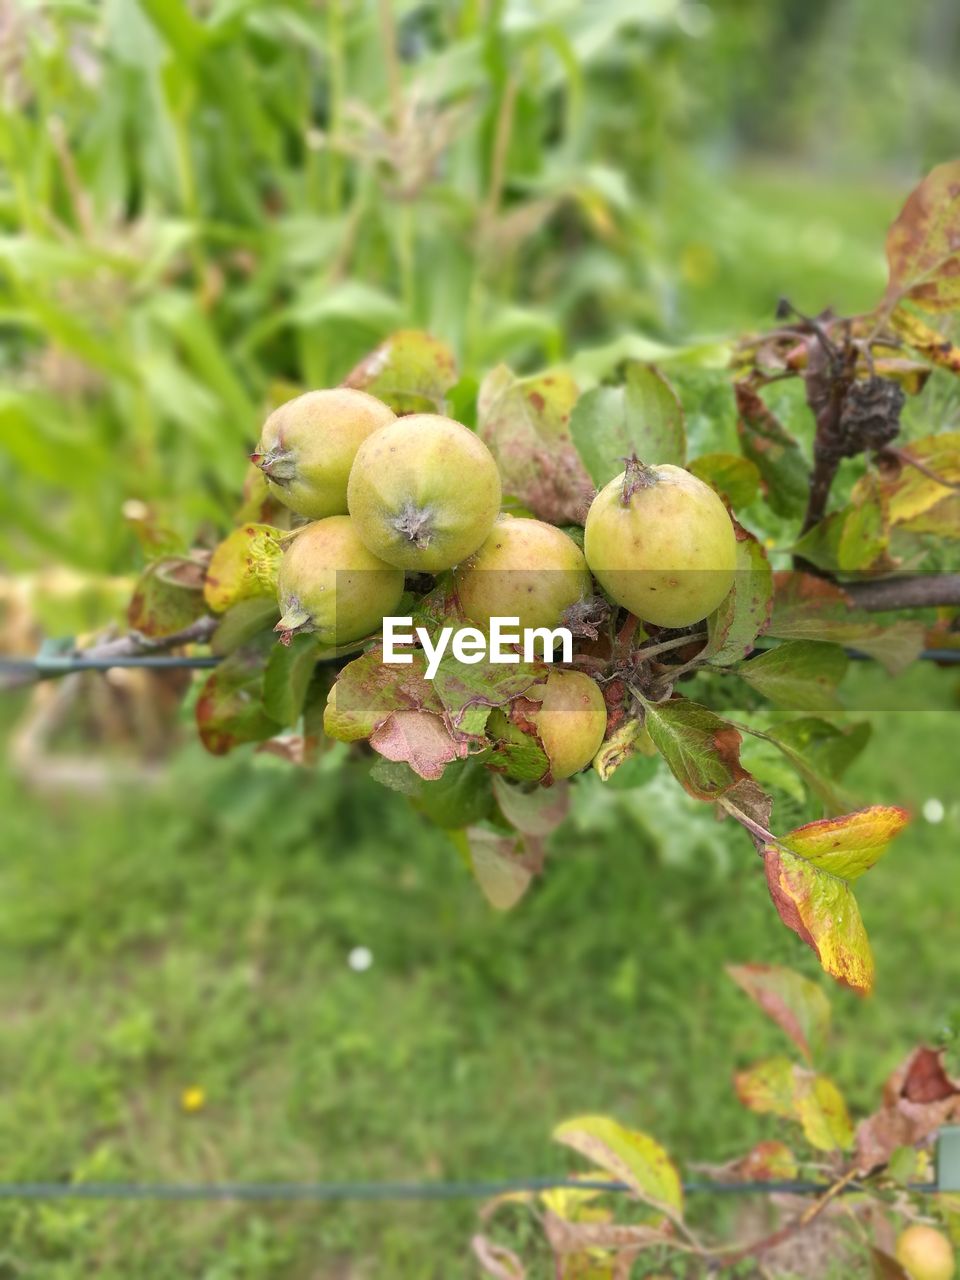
(387, 496)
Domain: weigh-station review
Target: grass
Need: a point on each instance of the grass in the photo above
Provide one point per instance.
(198, 935)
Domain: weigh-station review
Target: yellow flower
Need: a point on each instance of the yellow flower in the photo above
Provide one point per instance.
(193, 1098)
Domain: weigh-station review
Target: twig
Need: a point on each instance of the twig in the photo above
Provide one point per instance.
(927, 590)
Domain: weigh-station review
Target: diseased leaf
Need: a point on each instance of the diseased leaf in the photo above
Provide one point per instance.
(766, 1162)
(628, 1156)
(643, 416)
(411, 371)
(734, 477)
(421, 739)
(230, 710)
(168, 596)
(918, 1098)
(933, 346)
(797, 1005)
(809, 873)
(744, 615)
(798, 673)
(780, 1087)
(784, 473)
(923, 244)
(702, 751)
(809, 608)
(468, 693)
(287, 677)
(243, 566)
(915, 499)
(526, 424)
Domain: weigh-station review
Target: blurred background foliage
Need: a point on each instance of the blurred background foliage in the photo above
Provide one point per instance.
(204, 203)
(204, 206)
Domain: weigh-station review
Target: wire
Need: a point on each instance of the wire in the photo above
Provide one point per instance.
(368, 1191)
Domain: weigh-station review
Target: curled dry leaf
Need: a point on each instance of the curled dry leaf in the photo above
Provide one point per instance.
(918, 1098)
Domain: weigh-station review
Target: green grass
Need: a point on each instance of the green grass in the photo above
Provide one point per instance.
(198, 935)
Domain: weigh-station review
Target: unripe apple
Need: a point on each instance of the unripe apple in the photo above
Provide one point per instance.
(308, 445)
(330, 584)
(525, 569)
(568, 715)
(925, 1253)
(660, 543)
(424, 492)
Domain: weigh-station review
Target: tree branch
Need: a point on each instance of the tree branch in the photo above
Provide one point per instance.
(926, 590)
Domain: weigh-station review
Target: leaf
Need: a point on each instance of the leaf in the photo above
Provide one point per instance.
(411, 371)
(918, 1099)
(630, 744)
(779, 1087)
(230, 710)
(702, 751)
(467, 693)
(923, 244)
(526, 424)
(243, 566)
(885, 1266)
(734, 477)
(744, 615)
(940, 351)
(536, 811)
(496, 1260)
(766, 1162)
(503, 866)
(809, 608)
(461, 798)
(857, 537)
(243, 622)
(914, 499)
(784, 473)
(797, 1005)
(168, 596)
(798, 673)
(629, 1156)
(287, 677)
(821, 753)
(419, 738)
(642, 417)
(809, 873)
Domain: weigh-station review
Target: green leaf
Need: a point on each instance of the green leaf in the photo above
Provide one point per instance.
(744, 615)
(503, 866)
(287, 677)
(821, 753)
(411, 371)
(526, 424)
(461, 798)
(797, 1005)
(168, 597)
(809, 873)
(784, 473)
(243, 622)
(780, 1087)
(799, 673)
(643, 417)
(702, 750)
(735, 478)
(628, 1156)
(230, 710)
(536, 811)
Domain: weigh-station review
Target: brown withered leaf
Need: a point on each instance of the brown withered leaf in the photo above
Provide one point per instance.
(767, 1161)
(923, 244)
(420, 739)
(918, 1098)
(496, 1260)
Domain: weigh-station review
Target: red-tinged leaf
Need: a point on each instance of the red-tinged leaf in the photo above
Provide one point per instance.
(809, 874)
(784, 473)
(744, 615)
(411, 371)
(420, 739)
(642, 417)
(702, 751)
(797, 1005)
(503, 866)
(535, 811)
(168, 597)
(230, 710)
(735, 478)
(243, 567)
(810, 608)
(468, 693)
(368, 691)
(628, 1156)
(526, 424)
(923, 244)
(918, 1099)
(779, 1087)
(801, 674)
(766, 1162)
(496, 1260)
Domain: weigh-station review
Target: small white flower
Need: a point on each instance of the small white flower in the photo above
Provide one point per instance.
(360, 959)
(934, 811)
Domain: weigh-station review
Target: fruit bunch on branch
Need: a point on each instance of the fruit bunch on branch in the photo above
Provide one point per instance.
(689, 580)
